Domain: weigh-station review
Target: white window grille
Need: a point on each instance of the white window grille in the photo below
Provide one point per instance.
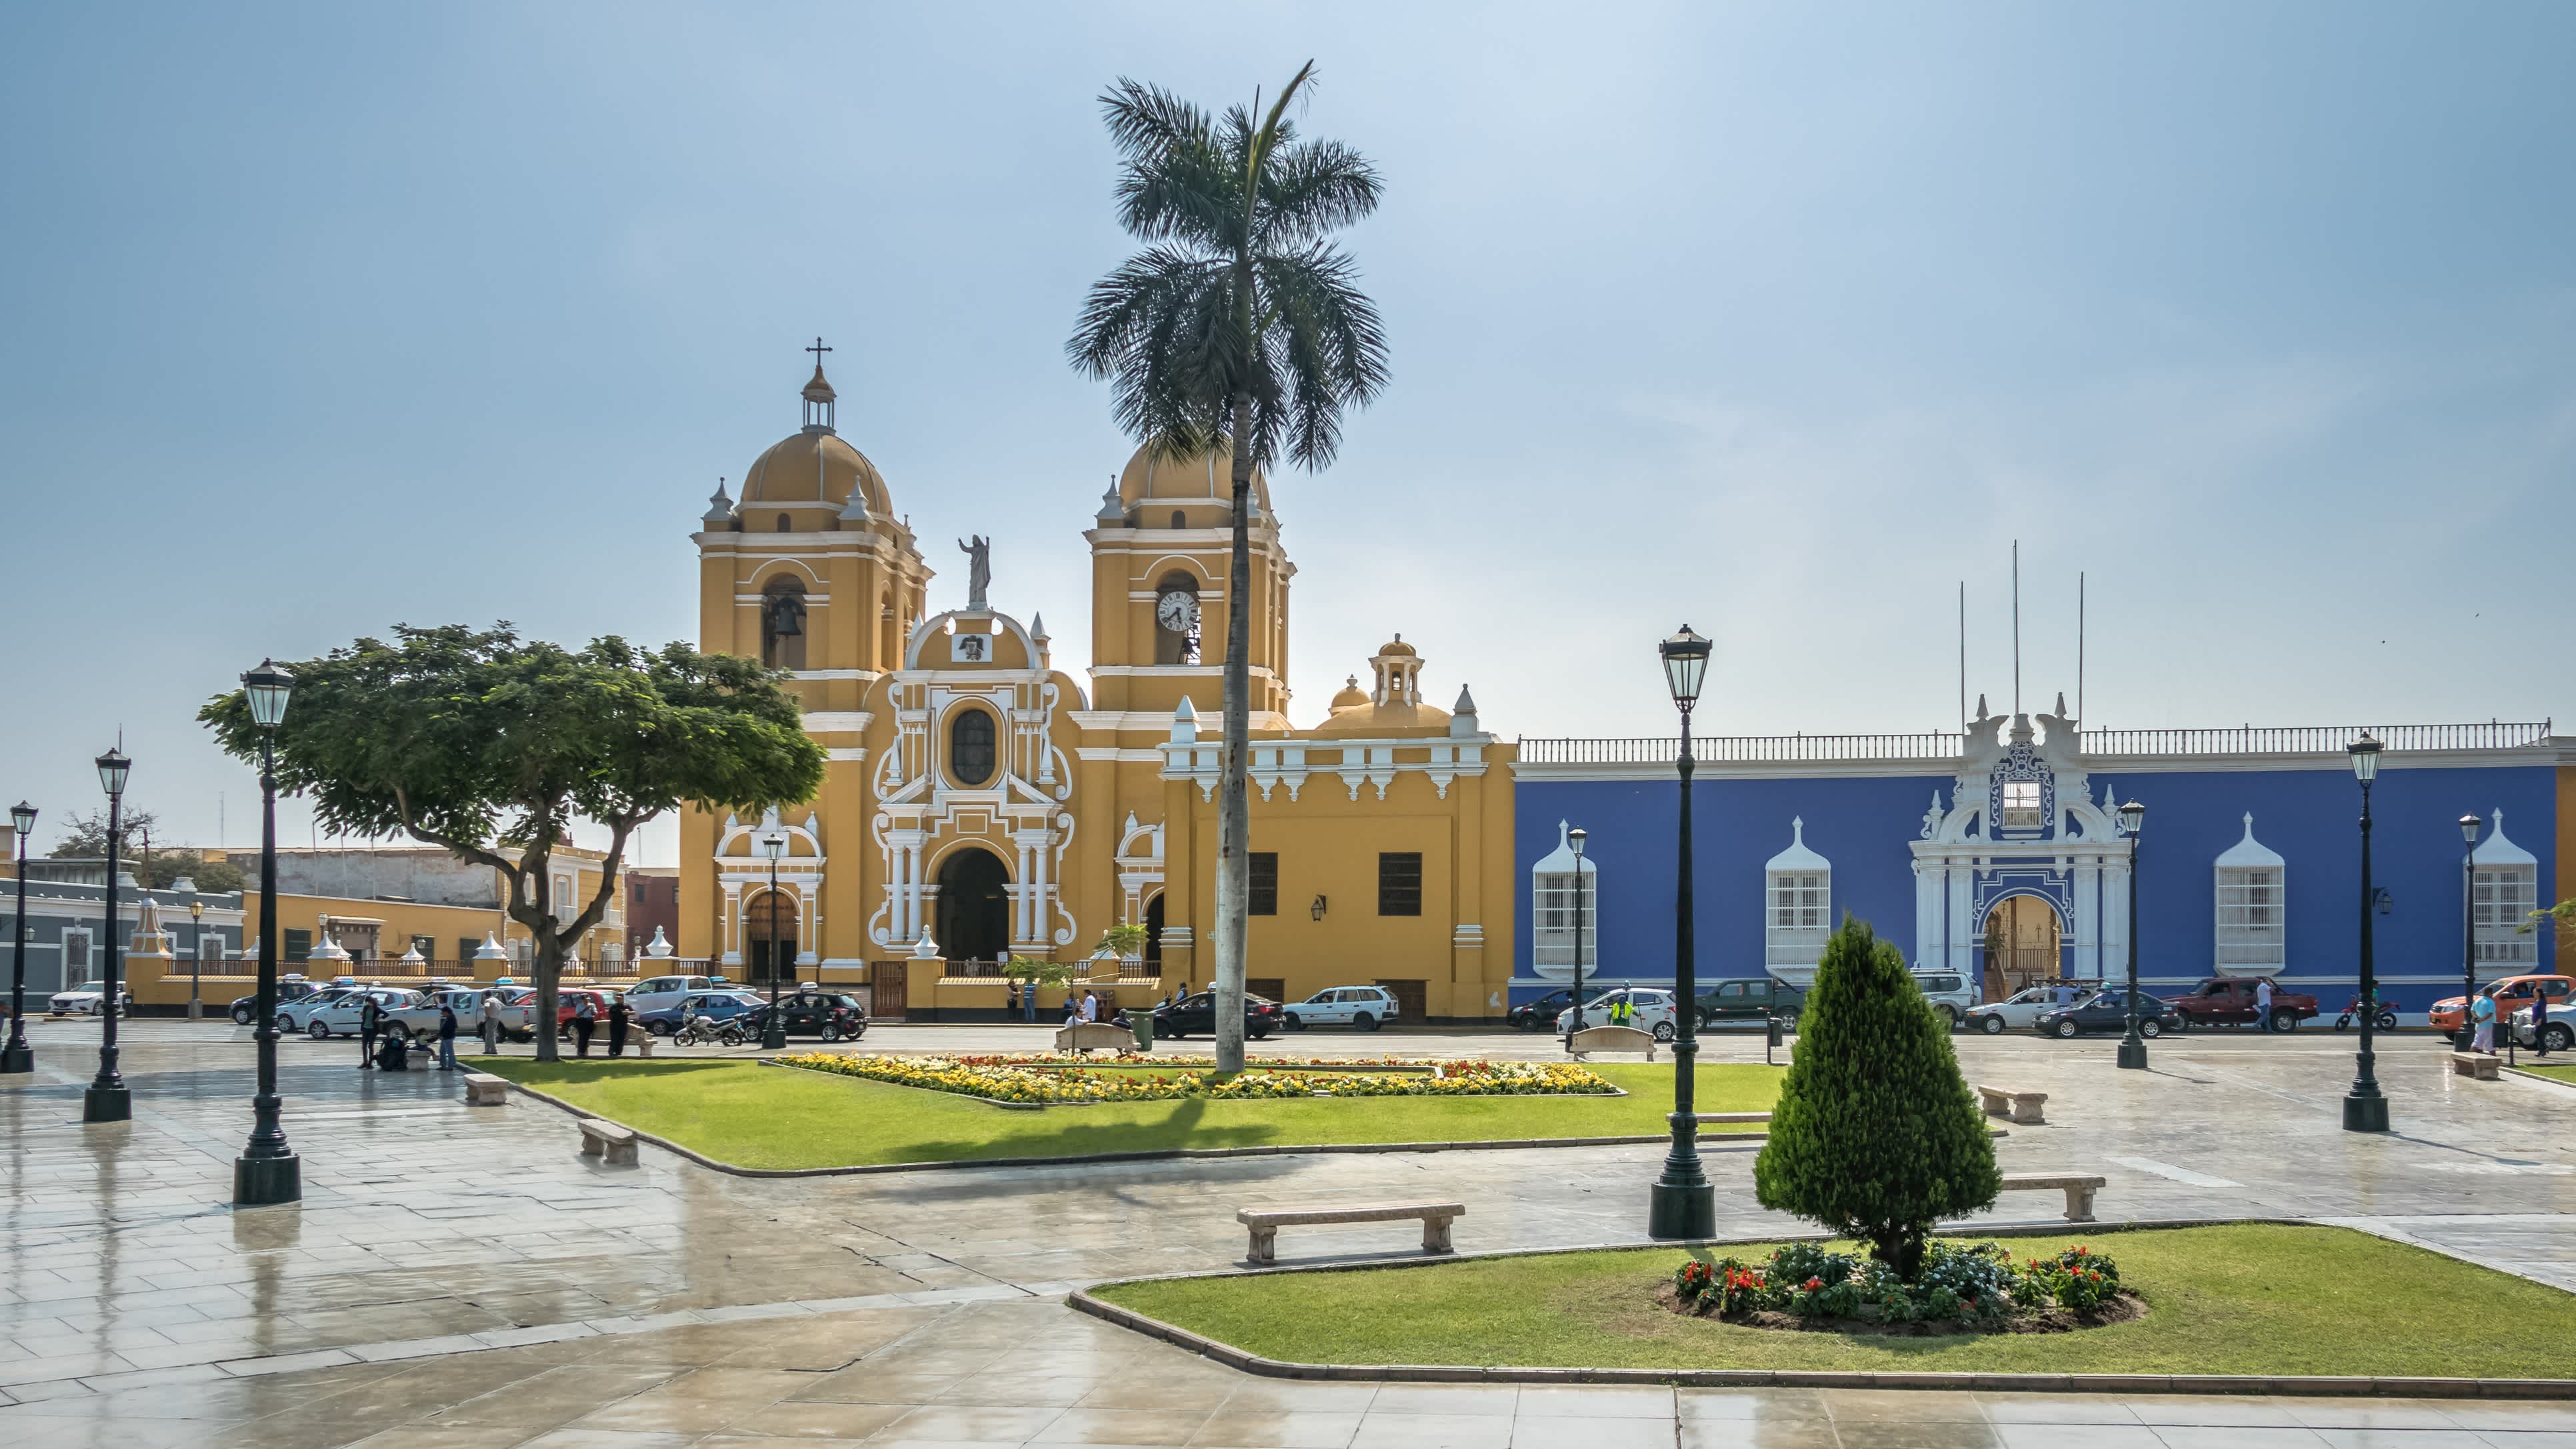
(1560, 893)
(75, 958)
(2021, 806)
(2253, 921)
(2504, 889)
(1798, 904)
(563, 902)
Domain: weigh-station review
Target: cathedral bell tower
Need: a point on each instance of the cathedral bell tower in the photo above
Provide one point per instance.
(1161, 550)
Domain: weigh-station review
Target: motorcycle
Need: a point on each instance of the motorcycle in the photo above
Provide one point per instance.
(2384, 1020)
(699, 1031)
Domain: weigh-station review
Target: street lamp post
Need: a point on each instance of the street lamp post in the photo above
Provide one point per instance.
(17, 1056)
(2133, 1047)
(268, 1170)
(108, 1099)
(2469, 931)
(2364, 1109)
(773, 1031)
(1576, 839)
(1683, 1204)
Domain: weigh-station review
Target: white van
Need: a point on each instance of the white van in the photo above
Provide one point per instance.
(1951, 993)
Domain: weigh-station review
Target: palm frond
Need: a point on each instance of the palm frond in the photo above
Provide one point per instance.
(1312, 189)
(1327, 346)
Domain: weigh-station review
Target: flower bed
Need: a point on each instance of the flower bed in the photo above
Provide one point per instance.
(1073, 1086)
(1047, 1061)
(1963, 1288)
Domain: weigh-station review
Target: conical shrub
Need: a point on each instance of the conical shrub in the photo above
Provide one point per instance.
(1876, 1135)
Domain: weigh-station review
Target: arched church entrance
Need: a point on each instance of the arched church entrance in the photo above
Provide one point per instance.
(974, 906)
(2023, 934)
(769, 937)
(1154, 936)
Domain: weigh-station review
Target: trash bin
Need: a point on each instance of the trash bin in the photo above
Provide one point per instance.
(1142, 1023)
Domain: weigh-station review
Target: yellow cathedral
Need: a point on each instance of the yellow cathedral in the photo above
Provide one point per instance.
(980, 803)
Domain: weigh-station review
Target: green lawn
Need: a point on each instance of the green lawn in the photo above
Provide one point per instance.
(2561, 1073)
(2246, 1299)
(779, 1117)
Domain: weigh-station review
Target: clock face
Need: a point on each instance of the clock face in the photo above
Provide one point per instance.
(1177, 611)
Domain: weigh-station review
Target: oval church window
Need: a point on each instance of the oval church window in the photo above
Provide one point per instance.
(970, 747)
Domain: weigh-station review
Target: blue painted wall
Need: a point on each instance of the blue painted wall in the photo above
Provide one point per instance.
(1863, 824)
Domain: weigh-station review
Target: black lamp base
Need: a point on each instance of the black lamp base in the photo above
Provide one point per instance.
(1681, 1211)
(2133, 1055)
(2365, 1114)
(17, 1056)
(107, 1104)
(267, 1181)
(774, 1039)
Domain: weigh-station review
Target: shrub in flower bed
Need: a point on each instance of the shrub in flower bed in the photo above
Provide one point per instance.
(1074, 1086)
(1962, 1288)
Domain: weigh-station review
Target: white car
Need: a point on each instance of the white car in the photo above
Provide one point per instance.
(404, 1011)
(2562, 1031)
(84, 1001)
(1951, 993)
(292, 1015)
(655, 992)
(1653, 1010)
(1365, 1007)
(2020, 1011)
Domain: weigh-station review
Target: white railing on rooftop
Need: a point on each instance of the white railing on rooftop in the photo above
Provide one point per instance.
(2242, 740)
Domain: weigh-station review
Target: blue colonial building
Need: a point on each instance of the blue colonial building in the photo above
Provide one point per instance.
(1997, 853)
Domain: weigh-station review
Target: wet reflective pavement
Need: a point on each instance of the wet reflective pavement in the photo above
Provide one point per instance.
(467, 1279)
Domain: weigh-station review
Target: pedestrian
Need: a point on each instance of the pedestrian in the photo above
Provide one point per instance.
(1090, 1007)
(1072, 1008)
(491, 1023)
(446, 1035)
(2482, 1010)
(2540, 1018)
(2065, 993)
(585, 1020)
(371, 1019)
(1010, 1000)
(619, 1016)
(2263, 1004)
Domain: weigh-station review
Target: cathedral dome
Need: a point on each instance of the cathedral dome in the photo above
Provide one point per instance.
(1206, 479)
(815, 466)
(1351, 697)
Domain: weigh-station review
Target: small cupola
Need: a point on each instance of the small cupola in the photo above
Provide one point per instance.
(1399, 673)
(821, 403)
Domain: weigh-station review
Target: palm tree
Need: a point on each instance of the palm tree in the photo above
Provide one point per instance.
(1239, 325)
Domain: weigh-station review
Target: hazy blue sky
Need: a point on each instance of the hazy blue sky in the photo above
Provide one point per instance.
(1780, 320)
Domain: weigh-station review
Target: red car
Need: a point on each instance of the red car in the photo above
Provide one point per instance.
(2232, 999)
(567, 1001)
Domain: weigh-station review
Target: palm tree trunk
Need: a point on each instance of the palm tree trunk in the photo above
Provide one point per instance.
(1233, 803)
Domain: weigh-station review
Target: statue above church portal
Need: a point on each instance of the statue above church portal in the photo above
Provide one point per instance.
(979, 569)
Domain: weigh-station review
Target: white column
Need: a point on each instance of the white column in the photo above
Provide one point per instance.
(729, 944)
(2087, 898)
(1927, 914)
(1962, 955)
(806, 934)
(2115, 916)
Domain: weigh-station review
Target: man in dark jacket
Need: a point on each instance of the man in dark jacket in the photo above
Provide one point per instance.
(585, 1016)
(618, 1018)
(371, 1019)
(446, 1036)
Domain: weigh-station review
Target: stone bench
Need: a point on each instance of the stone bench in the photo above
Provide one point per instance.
(482, 1089)
(2079, 1192)
(610, 1143)
(1265, 1223)
(643, 1044)
(1085, 1036)
(2481, 1065)
(1611, 1039)
(2022, 1107)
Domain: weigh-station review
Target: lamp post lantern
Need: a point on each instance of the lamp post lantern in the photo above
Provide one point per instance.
(2133, 1048)
(2469, 931)
(17, 1056)
(773, 1030)
(1576, 839)
(2364, 1109)
(1683, 1204)
(108, 1099)
(267, 1171)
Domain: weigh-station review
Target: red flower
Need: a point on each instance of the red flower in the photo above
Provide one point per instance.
(1815, 1283)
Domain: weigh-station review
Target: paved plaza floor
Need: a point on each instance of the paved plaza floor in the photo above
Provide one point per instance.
(466, 1279)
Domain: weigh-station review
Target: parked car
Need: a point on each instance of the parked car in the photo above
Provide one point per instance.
(1950, 992)
(1364, 1007)
(2511, 994)
(2562, 1032)
(2109, 1011)
(289, 988)
(2021, 1010)
(1196, 1014)
(713, 1005)
(405, 1011)
(656, 992)
(2226, 1000)
(1539, 1013)
(1757, 998)
(1652, 1007)
(292, 1016)
(568, 1005)
(813, 1011)
(86, 1001)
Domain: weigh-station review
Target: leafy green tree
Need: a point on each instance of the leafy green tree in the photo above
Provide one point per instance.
(1125, 939)
(169, 867)
(1876, 1135)
(85, 836)
(493, 746)
(1241, 325)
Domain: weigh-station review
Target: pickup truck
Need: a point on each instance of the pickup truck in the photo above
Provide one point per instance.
(2230, 999)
